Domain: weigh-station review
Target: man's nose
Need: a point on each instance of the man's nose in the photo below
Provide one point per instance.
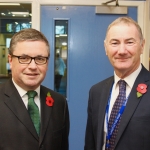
(122, 48)
(33, 64)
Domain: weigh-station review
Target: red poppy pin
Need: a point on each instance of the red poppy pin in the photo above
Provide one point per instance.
(141, 89)
(49, 100)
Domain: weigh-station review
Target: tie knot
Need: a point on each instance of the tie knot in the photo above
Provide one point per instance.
(122, 85)
(31, 94)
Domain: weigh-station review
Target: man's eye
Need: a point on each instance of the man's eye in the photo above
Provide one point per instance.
(24, 58)
(114, 43)
(40, 58)
(130, 43)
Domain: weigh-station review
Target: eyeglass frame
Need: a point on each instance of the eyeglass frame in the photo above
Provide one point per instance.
(31, 58)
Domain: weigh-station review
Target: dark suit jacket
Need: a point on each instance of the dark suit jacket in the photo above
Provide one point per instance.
(17, 131)
(134, 129)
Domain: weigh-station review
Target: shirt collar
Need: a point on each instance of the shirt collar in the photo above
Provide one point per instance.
(23, 92)
(129, 79)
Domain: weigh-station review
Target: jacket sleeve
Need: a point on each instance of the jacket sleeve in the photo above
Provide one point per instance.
(65, 141)
(89, 136)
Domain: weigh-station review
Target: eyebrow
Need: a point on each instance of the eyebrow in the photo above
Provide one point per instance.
(130, 39)
(30, 56)
(125, 39)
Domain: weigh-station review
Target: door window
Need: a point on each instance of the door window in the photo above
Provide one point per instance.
(61, 48)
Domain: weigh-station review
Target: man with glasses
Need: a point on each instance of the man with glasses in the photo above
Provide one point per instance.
(32, 116)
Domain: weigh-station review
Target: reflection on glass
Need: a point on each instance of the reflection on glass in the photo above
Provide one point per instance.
(61, 47)
(16, 27)
(9, 26)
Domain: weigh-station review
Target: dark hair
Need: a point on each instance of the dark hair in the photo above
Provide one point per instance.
(28, 35)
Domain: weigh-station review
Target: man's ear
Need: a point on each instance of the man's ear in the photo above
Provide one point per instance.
(10, 60)
(105, 46)
(142, 46)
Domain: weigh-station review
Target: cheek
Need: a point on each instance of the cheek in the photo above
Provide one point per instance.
(43, 69)
(111, 54)
(136, 54)
(17, 68)
(47, 69)
(111, 51)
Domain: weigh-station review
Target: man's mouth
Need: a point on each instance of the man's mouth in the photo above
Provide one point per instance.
(32, 74)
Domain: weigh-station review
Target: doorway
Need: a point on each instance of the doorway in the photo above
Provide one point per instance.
(87, 62)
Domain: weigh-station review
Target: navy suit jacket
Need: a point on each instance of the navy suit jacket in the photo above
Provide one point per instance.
(17, 131)
(134, 129)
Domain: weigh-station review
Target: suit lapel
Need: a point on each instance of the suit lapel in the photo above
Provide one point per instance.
(45, 112)
(132, 103)
(14, 102)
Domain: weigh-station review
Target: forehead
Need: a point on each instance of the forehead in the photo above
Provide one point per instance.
(123, 30)
(31, 48)
(27, 47)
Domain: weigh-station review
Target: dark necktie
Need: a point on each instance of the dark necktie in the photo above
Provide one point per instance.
(33, 110)
(116, 107)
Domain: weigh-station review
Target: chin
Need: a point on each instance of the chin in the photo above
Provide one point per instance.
(31, 83)
(123, 65)
(122, 68)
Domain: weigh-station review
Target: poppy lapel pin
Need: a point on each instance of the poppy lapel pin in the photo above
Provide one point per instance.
(141, 89)
(49, 100)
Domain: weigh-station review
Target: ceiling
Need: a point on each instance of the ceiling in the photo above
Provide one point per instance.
(5, 10)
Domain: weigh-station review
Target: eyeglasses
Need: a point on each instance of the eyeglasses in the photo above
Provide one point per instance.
(39, 60)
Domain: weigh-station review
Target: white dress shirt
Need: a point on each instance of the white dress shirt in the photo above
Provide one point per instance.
(115, 91)
(24, 96)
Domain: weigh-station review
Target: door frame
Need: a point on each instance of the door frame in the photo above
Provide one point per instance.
(141, 8)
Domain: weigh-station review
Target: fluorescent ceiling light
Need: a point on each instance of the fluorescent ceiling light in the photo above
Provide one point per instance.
(20, 13)
(64, 43)
(3, 14)
(10, 4)
(63, 35)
